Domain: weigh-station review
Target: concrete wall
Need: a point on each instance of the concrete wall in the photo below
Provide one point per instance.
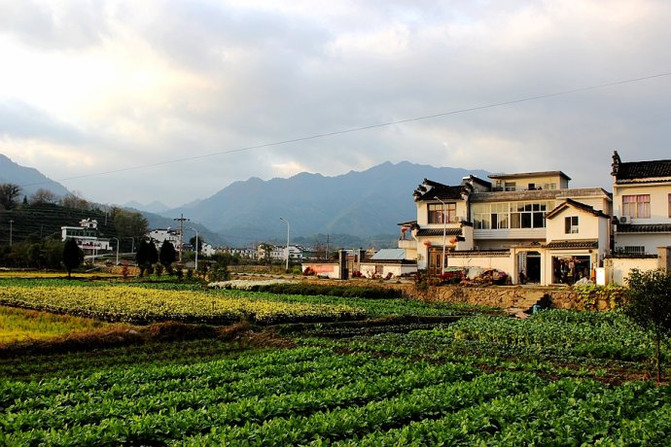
(648, 240)
(368, 269)
(327, 269)
(617, 269)
(486, 261)
(659, 201)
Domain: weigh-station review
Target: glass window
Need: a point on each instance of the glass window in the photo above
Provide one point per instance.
(636, 205)
(571, 225)
(437, 211)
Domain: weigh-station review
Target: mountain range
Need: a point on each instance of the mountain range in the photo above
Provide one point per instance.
(366, 205)
(29, 179)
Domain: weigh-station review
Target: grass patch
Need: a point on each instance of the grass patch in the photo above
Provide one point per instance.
(20, 325)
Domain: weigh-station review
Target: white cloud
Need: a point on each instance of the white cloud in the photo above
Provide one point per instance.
(116, 84)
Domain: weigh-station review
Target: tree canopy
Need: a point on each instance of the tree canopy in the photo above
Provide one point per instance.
(649, 304)
(9, 192)
(167, 254)
(72, 255)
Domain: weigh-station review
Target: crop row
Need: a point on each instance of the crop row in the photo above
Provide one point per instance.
(566, 412)
(58, 364)
(223, 387)
(346, 422)
(610, 335)
(172, 414)
(142, 305)
(152, 379)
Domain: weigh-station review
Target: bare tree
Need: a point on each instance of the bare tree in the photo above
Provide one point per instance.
(8, 194)
(43, 196)
(74, 201)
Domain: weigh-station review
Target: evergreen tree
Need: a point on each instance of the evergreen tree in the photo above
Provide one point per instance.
(649, 305)
(167, 255)
(145, 256)
(73, 256)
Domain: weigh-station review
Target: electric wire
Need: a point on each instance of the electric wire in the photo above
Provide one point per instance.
(366, 127)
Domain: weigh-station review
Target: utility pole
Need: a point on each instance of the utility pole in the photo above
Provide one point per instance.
(286, 222)
(181, 219)
(11, 221)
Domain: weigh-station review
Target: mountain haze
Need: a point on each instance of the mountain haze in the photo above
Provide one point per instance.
(363, 204)
(29, 179)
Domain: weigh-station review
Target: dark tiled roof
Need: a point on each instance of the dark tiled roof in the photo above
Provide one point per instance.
(428, 190)
(529, 174)
(576, 204)
(439, 232)
(573, 244)
(538, 194)
(650, 228)
(469, 253)
(643, 169)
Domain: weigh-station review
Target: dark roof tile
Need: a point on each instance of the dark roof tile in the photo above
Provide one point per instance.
(573, 244)
(650, 228)
(643, 169)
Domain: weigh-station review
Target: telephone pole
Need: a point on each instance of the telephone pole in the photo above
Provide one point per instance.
(181, 219)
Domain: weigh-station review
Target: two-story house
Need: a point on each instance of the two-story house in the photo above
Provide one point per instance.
(642, 205)
(87, 237)
(530, 225)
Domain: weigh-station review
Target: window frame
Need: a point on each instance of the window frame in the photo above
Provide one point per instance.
(435, 212)
(636, 206)
(571, 225)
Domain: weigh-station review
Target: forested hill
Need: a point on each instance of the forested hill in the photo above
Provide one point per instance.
(33, 222)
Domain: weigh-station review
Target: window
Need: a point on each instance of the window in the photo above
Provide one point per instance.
(669, 205)
(436, 211)
(632, 250)
(510, 186)
(571, 225)
(636, 206)
(505, 215)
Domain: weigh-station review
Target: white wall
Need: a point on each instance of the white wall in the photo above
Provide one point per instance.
(659, 201)
(651, 241)
(368, 269)
(502, 263)
(617, 269)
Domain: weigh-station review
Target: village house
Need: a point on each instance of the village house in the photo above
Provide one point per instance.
(642, 205)
(531, 226)
(279, 253)
(86, 236)
(160, 235)
(537, 229)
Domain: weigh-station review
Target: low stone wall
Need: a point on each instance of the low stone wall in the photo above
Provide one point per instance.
(521, 297)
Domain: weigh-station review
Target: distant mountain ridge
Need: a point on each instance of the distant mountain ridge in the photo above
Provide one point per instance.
(360, 203)
(29, 179)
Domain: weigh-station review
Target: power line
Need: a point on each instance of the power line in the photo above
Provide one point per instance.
(369, 127)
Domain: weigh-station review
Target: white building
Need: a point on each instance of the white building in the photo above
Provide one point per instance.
(279, 253)
(642, 205)
(530, 225)
(159, 235)
(86, 236)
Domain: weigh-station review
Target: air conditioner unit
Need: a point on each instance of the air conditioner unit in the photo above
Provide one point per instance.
(625, 219)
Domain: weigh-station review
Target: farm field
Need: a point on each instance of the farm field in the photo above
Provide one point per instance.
(20, 325)
(557, 378)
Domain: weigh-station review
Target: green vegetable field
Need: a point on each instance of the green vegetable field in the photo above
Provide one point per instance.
(557, 378)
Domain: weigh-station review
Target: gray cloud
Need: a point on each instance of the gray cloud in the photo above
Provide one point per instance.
(253, 75)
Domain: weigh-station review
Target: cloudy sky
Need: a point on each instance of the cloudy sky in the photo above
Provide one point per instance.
(174, 100)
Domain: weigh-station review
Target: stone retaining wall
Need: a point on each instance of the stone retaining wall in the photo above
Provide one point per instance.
(522, 297)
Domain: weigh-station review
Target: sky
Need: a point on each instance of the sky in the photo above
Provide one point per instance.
(173, 100)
